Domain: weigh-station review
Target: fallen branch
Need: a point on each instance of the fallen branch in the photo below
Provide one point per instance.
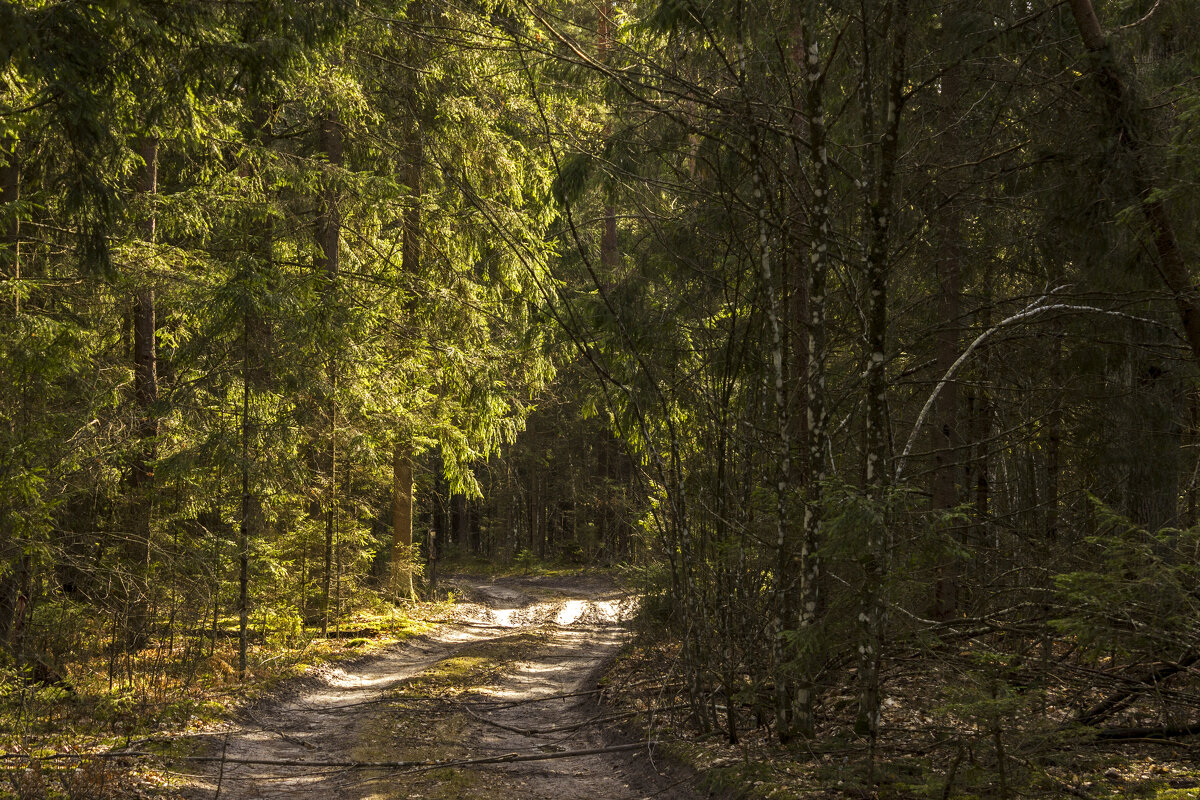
(221, 773)
(1117, 701)
(394, 765)
(547, 698)
(293, 740)
(571, 727)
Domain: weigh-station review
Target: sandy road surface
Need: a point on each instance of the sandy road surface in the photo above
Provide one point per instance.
(568, 628)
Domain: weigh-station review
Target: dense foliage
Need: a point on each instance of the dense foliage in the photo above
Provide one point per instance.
(867, 332)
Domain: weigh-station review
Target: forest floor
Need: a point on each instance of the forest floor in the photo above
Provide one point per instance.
(525, 688)
(512, 671)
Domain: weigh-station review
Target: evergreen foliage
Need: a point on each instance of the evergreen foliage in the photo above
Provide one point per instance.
(859, 331)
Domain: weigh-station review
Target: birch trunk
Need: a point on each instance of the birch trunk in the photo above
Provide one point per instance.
(809, 601)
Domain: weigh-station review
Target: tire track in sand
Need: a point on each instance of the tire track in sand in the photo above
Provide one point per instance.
(538, 704)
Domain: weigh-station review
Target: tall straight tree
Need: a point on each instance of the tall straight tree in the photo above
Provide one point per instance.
(820, 249)
(329, 239)
(254, 274)
(402, 473)
(883, 152)
(145, 371)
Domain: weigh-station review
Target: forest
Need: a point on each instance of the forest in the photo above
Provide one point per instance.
(858, 340)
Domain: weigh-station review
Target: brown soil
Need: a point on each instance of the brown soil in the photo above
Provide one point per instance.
(529, 652)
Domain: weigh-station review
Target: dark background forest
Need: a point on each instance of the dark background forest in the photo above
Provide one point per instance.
(862, 338)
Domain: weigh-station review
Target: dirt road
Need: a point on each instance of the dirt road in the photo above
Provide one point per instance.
(527, 654)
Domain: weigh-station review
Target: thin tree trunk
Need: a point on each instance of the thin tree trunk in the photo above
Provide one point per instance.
(145, 391)
(402, 481)
(609, 254)
(330, 514)
(11, 585)
(1054, 422)
(243, 542)
(460, 521)
(402, 521)
(784, 578)
(982, 423)
(329, 240)
(873, 617)
(1193, 446)
(10, 238)
(821, 237)
(253, 373)
(947, 231)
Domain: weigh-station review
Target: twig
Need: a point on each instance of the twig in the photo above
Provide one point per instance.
(387, 698)
(500, 725)
(571, 727)
(221, 772)
(293, 740)
(511, 703)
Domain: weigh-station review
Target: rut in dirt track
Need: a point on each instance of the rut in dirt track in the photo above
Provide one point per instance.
(569, 629)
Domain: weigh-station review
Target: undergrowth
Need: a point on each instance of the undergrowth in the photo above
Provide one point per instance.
(954, 729)
(162, 699)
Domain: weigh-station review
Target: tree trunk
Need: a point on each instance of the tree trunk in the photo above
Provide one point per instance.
(402, 482)
(10, 237)
(784, 572)
(145, 391)
(402, 522)
(330, 514)
(262, 234)
(1192, 442)
(243, 540)
(877, 555)
(609, 254)
(460, 521)
(821, 238)
(328, 230)
(944, 435)
(1054, 424)
(13, 553)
